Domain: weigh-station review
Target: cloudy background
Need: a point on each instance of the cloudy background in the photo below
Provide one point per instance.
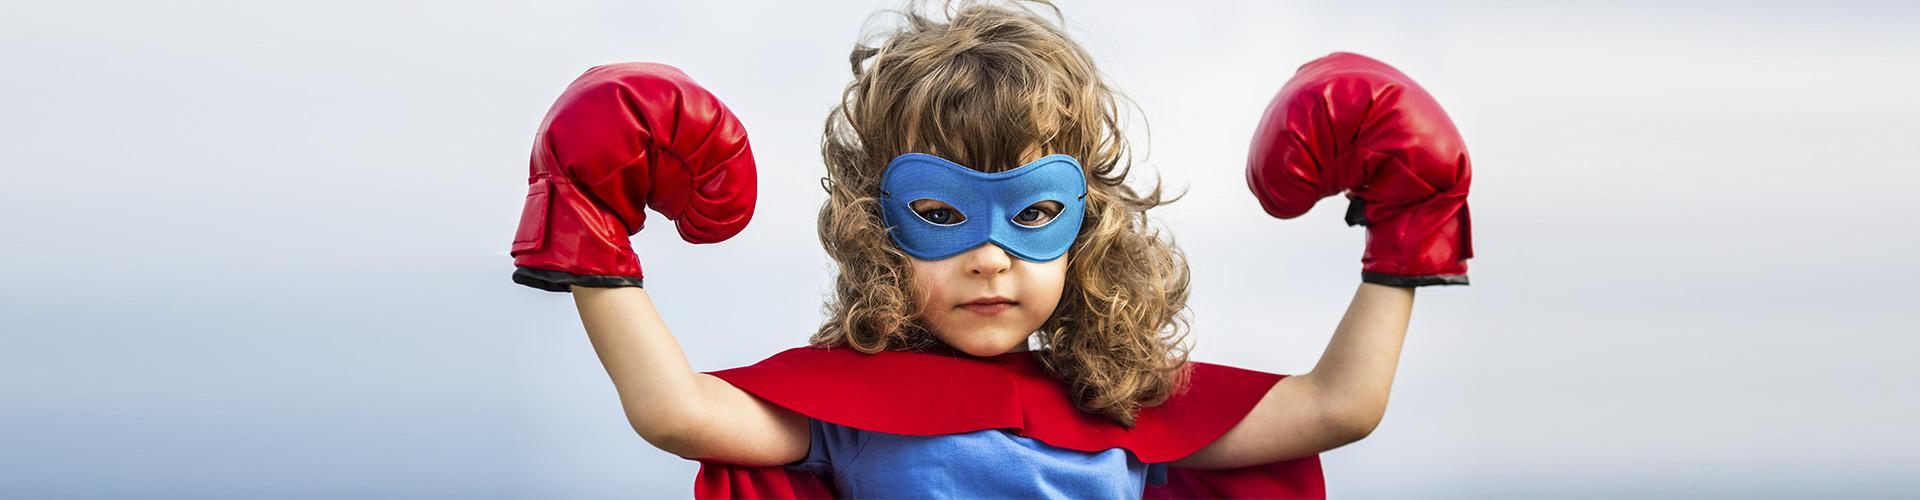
(259, 249)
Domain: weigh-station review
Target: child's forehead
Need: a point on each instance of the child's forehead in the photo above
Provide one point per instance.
(1028, 154)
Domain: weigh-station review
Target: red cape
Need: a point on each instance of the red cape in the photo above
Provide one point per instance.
(950, 392)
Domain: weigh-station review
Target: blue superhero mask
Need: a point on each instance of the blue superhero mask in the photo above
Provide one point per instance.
(990, 206)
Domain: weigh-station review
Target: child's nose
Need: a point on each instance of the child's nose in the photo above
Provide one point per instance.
(988, 260)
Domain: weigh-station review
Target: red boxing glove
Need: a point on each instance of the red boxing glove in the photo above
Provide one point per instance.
(620, 138)
(1346, 122)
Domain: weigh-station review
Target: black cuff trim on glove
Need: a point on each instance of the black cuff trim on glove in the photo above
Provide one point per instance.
(559, 281)
(1356, 212)
(1412, 281)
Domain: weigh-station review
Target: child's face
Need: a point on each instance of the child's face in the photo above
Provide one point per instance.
(946, 286)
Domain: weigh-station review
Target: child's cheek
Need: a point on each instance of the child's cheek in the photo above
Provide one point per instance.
(926, 289)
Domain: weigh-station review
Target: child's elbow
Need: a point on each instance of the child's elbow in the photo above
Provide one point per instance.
(1364, 427)
(1355, 425)
(670, 435)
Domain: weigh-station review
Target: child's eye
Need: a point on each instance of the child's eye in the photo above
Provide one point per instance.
(1039, 214)
(937, 212)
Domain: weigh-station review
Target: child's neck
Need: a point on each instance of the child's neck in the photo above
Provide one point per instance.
(943, 347)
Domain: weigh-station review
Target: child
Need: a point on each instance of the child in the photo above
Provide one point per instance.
(977, 204)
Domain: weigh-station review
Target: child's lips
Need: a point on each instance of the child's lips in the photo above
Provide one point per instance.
(988, 308)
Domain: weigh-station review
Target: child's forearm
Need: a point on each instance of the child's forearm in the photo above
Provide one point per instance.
(657, 386)
(1355, 374)
(694, 415)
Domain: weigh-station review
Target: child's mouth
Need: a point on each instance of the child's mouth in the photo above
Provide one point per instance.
(993, 308)
(989, 305)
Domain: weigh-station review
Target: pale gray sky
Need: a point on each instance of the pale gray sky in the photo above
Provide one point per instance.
(258, 249)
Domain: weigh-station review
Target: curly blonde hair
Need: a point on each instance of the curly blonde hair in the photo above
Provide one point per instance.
(983, 89)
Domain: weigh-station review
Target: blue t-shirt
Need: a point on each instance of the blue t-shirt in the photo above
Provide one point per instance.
(992, 463)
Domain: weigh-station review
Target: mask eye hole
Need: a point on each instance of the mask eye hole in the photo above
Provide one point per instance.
(937, 212)
(1039, 214)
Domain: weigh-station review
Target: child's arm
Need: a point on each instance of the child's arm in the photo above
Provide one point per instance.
(1349, 123)
(1339, 402)
(693, 415)
(623, 138)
